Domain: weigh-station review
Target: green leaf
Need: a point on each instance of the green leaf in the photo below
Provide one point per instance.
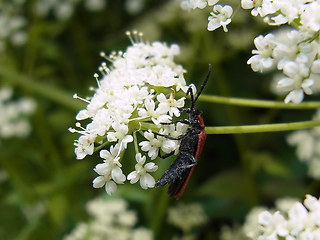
(228, 184)
(57, 208)
(269, 163)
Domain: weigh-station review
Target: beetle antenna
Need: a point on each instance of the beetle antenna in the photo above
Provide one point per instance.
(202, 86)
(190, 91)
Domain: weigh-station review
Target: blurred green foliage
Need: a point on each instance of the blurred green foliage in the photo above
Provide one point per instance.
(46, 189)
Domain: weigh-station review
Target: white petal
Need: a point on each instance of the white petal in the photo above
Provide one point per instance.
(105, 154)
(169, 146)
(98, 182)
(213, 24)
(291, 69)
(246, 4)
(117, 175)
(102, 168)
(142, 112)
(140, 159)
(80, 153)
(212, 2)
(295, 96)
(265, 218)
(148, 135)
(312, 203)
(316, 66)
(124, 142)
(151, 167)
(162, 98)
(298, 211)
(145, 146)
(285, 82)
(147, 181)
(153, 153)
(307, 83)
(149, 103)
(228, 10)
(110, 187)
(163, 108)
(133, 177)
(83, 114)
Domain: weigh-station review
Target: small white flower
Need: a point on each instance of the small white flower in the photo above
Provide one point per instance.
(170, 105)
(155, 143)
(259, 7)
(263, 60)
(274, 224)
(141, 172)
(151, 146)
(176, 130)
(149, 109)
(220, 16)
(84, 146)
(110, 170)
(104, 180)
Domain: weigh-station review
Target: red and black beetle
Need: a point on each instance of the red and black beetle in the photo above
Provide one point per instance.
(192, 142)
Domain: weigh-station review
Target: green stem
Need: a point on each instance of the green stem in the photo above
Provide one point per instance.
(43, 89)
(258, 103)
(135, 141)
(262, 128)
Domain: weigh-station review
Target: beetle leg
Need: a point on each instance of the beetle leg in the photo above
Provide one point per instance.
(171, 138)
(185, 121)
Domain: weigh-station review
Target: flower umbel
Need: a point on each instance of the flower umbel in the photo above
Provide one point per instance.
(13, 114)
(135, 95)
(110, 219)
(307, 143)
(294, 51)
(299, 221)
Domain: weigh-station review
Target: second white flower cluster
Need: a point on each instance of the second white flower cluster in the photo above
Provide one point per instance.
(295, 50)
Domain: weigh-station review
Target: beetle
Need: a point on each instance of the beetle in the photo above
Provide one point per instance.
(192, 142)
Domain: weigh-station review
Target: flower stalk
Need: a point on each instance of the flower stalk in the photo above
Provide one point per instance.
(277, 127)
(243, 102)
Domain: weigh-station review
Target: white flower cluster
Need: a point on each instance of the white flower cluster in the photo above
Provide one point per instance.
(64, 9)
(193, 4)
(13, 122)
(131, 99)
(110, 220)
(300, 221)
(14, 19)
(307, 143)
(219, 17)
(187, 216)
(295, 52)
(252, 229)
(12, 23)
